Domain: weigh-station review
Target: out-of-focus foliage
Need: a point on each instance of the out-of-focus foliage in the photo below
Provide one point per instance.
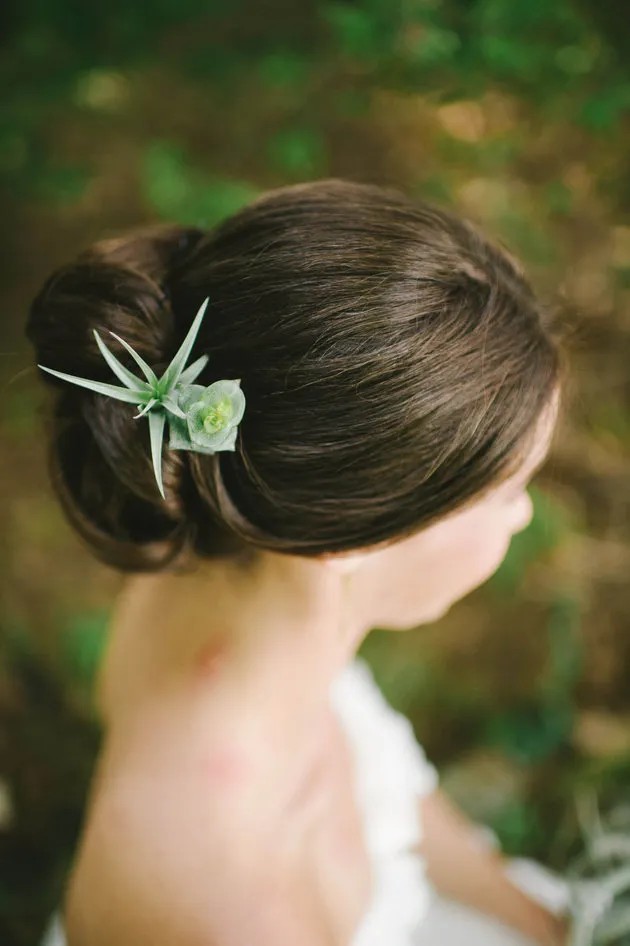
(599, 881)
(566, 59)
(515, 112)
(550, 524)
(180, 192)
(82, 646)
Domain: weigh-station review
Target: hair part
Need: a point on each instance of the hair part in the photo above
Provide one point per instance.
(395, 364)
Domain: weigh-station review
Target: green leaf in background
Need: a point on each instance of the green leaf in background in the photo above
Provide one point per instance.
(576, 60)
(354, 29)
(63, 184)
(18, 414)
(14, 147)
(285, 68)
(17, 638)
(167, 178)
(405, 681)
(220, 67)
(352, 102)
(534, 729)
(565, 651)
(182, 193)
(298, 153)
(517, 826)
(601, 111)
(494, 154)
(531, 731)
(102, 90)
(434, 187)
(558, 197)
(528, 237)
(549, 526)
(82, 644)
(433, 47)
(622, 278)
(505, 54)
(609, 418)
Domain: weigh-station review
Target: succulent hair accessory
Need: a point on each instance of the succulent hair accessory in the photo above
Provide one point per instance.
(201, 419)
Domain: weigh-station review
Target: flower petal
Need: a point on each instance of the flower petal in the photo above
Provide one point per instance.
(179, 436)
(225, 397)
(190, 394)
(214, 441)
(230, 441)
(231, 388)
(181, 440)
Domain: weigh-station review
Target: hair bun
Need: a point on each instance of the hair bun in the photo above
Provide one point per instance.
(120, 285)
(99, 454)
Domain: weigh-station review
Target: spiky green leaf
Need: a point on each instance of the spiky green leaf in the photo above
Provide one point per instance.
(170, 402)
(172, 374)
(156, 430)
(147, 407)
(127, 377)
(149, 373)
(100, 387)
(192, 372)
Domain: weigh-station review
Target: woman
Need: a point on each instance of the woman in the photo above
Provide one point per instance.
(401, 389)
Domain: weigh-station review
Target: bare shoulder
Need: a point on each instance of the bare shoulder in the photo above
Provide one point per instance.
(179, 836)
(150, 871)
(176, 832)
(182, 823)
(173, 834)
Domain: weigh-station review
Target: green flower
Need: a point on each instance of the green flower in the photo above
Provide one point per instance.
(212, 415)
(201, 419)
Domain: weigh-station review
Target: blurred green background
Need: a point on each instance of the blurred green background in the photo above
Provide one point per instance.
(514, 112)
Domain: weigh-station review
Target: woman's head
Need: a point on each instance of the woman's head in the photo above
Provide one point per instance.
(395, 364)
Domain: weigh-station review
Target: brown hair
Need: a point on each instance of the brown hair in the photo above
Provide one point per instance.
(395, 364)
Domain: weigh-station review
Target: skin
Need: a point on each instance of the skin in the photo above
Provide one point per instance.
(214, 696)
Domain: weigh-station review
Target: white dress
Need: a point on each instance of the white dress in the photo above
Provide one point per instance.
(392, 773)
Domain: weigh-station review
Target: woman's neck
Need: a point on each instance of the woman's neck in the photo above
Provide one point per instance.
(277, 597)
(282, 629)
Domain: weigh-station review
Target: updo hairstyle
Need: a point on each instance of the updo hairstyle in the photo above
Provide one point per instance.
(395, 363)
